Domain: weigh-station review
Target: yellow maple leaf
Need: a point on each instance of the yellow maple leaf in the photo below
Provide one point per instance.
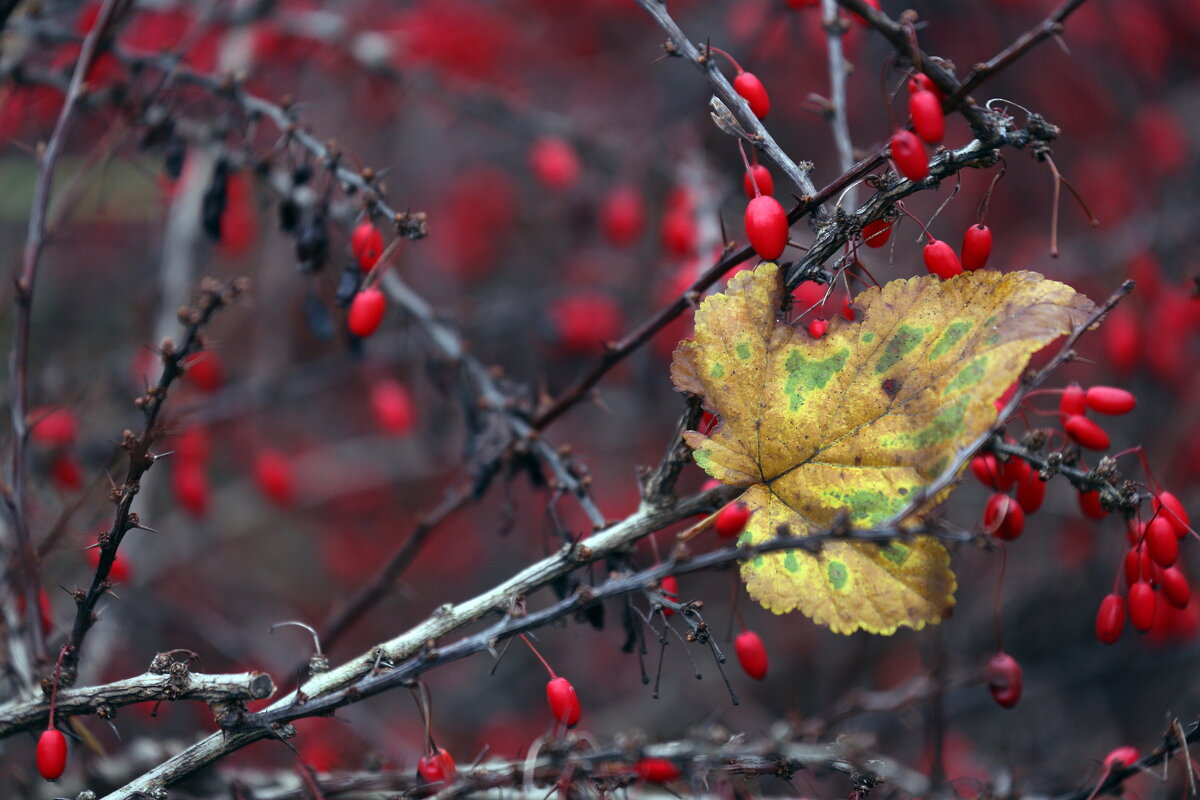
(857, 422)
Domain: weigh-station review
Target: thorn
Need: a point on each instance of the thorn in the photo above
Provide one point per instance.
(142, 527)
(154, 457)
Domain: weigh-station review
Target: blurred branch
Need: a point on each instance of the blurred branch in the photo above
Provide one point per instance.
(169, 684)
(24, 282)
(837, 82)
(1050, 26)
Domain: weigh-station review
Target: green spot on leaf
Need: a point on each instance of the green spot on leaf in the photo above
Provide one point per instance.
(896, 553)
(791, 563)
(968, 376)
(901, 344)
(717, 371)
(758, 561)
(837, 575)
(953, 334)
(743, 351)
(945, 426)
(806, 374)
(867, 338)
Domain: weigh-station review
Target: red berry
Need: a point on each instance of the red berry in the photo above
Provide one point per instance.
(976, 247)
(1121, 758)
(554, 163)
(43, 605)
(52, 754)
(876, 233)
(657, 770)
(65, 472)
(751, 653)
(941, 260)
(1110, 620)
(623, 215)
(987, 471)
(1089, 504)
(1003, 517)
(1138, 565)
(393, 407)
(848, 312)
(193, 446)
(273, 473)
(1110, 400)
(1162, 541)
(119, 572)
(437, 767)
(190, 486)
(1004, 679)
(750, 87)
(731, 520)
(366, 243)
(926, 111)
(909, 155)
(204, 371)
(1175, 587)
(766, 227)
(817, 328)
(564, 704)
(366, 312)
(1167, 505)
(586, 320)
(1122, 339)
(53, 427)
(1073, 400)
(679, 232)
(1087, 433)
(922, 82)
(1142, 605)
(762, 177)
(1031, 492)
(1012, 472)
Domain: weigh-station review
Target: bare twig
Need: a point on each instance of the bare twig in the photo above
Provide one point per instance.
(724, 89)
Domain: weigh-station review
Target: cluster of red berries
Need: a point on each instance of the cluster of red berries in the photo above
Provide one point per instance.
(189, 479)
(369, 304)
(941, 260)
(1076, 402)
(55, 429)
(925, 108)
(1150, 571)
(1004, 514)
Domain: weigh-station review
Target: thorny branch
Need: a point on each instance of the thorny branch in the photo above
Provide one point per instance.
(169, 684)
(213, 297)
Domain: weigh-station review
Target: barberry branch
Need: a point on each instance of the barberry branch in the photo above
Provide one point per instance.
(169, 685)
(680, 45)
(213, 297)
